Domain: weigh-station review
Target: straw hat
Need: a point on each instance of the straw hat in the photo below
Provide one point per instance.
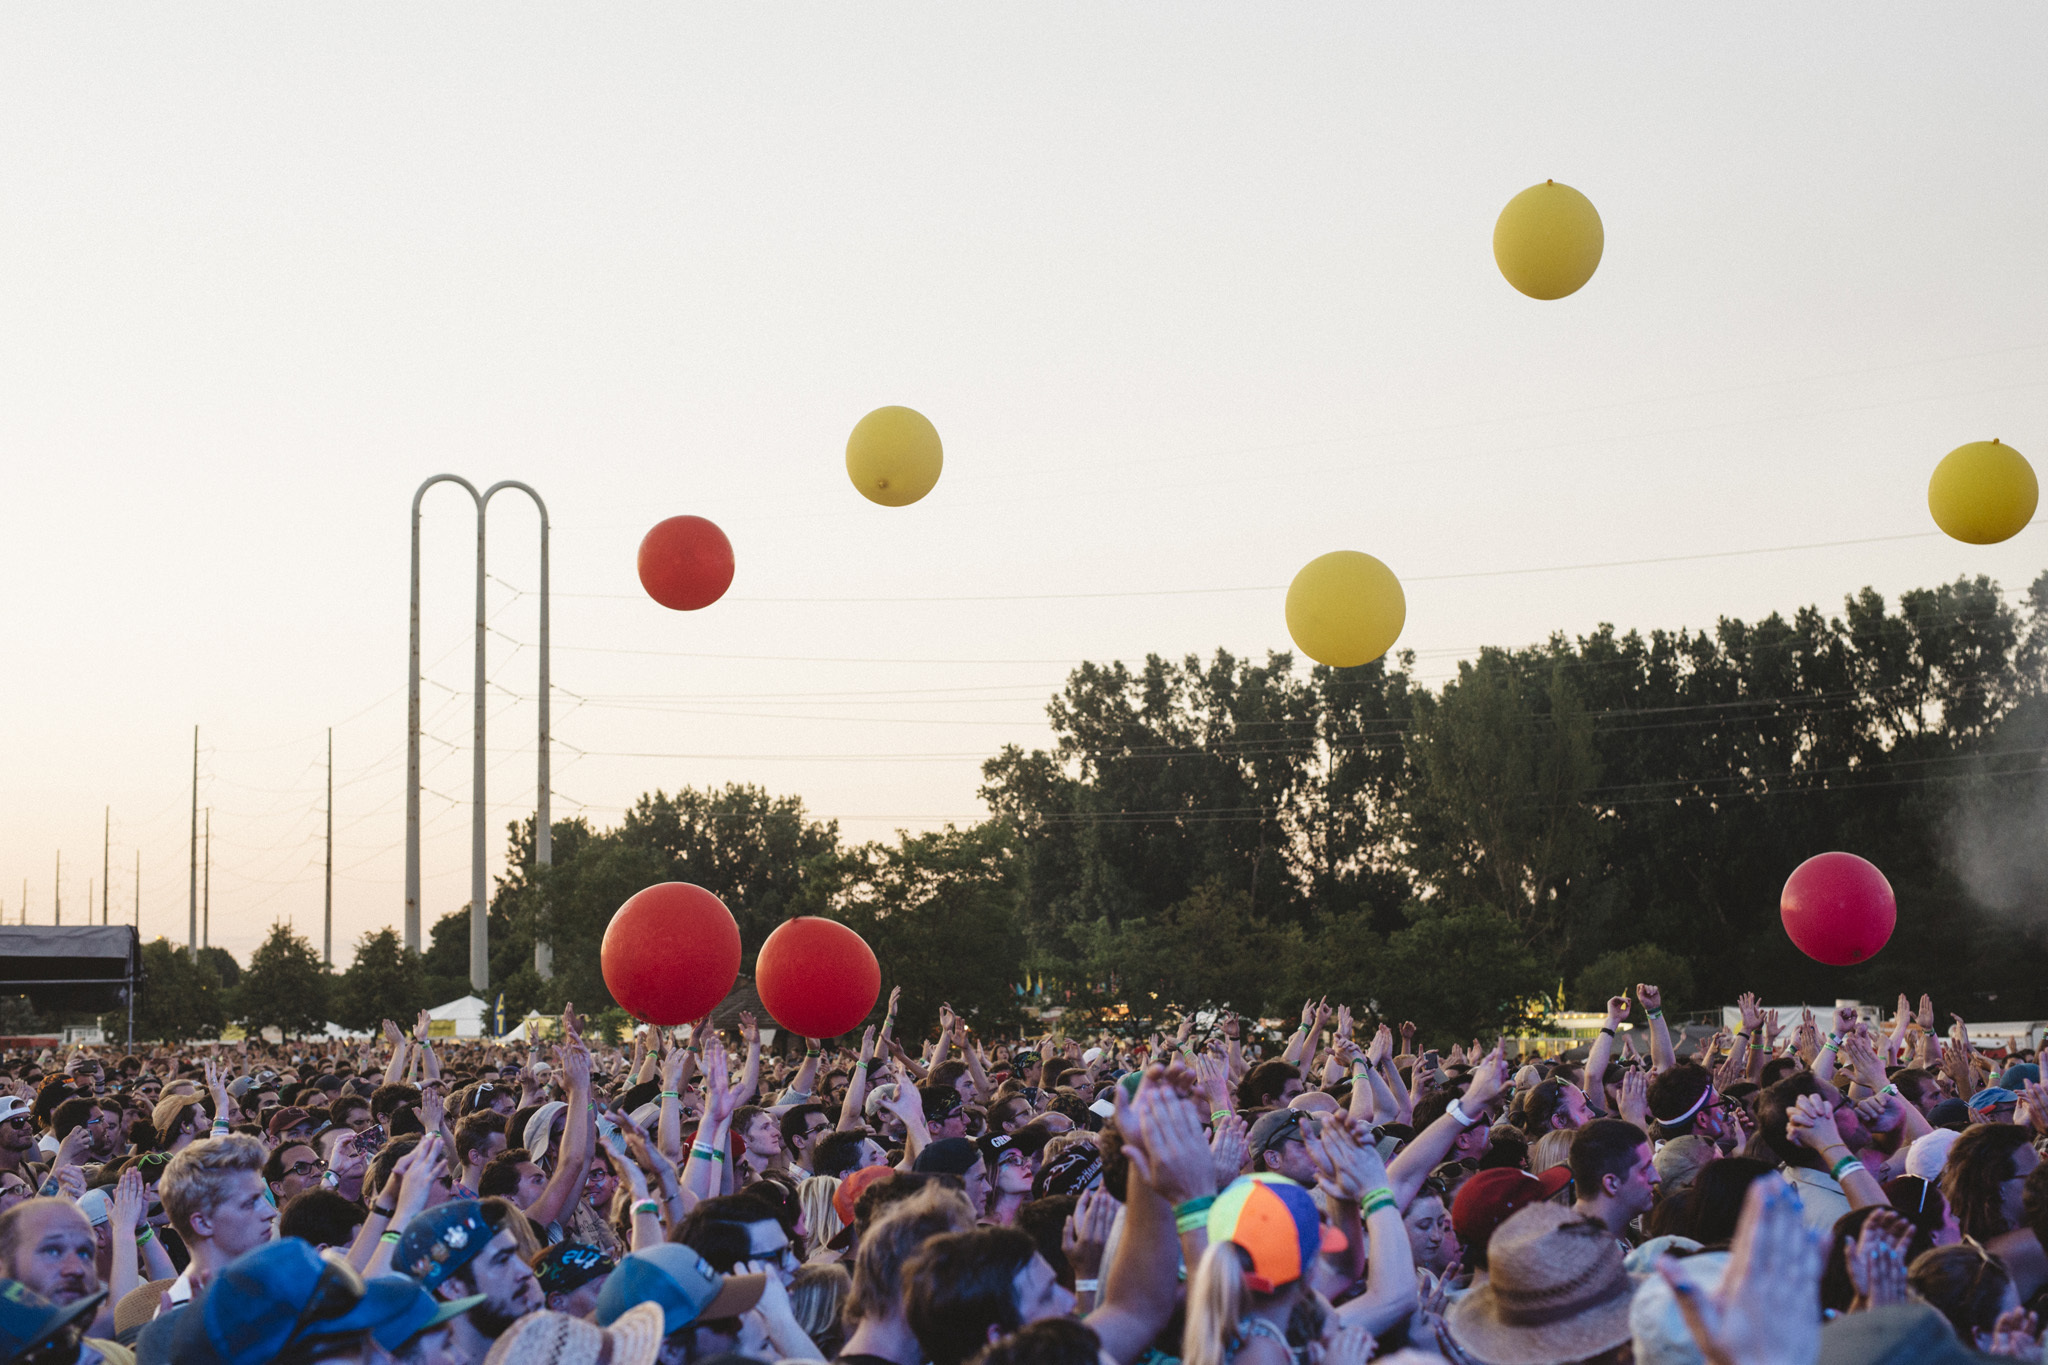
(550, 1338)
(1557, 1292)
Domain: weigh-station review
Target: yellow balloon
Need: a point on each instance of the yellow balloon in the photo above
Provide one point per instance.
(893, 456)
(1983, 493)
(1548, 240)
(1345, 609)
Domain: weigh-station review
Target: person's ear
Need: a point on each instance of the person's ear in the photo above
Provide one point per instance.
(1611, 1184)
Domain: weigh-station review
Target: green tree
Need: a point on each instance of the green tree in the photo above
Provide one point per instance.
(1459, 972)
(224, 965)
(386, 981)
(179, 999)
(940, 911)
(1620, 971)
(285, 986)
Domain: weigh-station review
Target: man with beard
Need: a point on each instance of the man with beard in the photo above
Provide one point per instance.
(457, 1250)
(48, 1246)
(18, 1139)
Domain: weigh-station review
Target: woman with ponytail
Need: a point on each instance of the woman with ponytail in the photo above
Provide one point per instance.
(1264, 1237)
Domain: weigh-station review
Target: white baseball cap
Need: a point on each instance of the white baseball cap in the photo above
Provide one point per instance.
(12, 1106)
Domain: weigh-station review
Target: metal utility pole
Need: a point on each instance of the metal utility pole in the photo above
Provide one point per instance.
(57, 890)
(206, 901)
(192, 930)
(106, 867)
(479, 927)
(328, 940)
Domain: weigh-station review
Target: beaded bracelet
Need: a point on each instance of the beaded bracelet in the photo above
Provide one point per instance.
(1375, 1200)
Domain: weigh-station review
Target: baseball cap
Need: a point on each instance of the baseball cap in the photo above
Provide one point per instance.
(567, 1266)
(940, 1101)
(947, 1156)
(443, 1239)
(1929, 1153)
(540, 1129)
(400, 1310)
(27, 1319)
(285, 1119)
(97, 1206)
(1071, 1172)
(1486, 1200)
(1275, 1221)
(850, 1187)
(1990, 1097)
(681, 1282)
(1029, 1142)
(12, 1105)
(1273, 1128)
(240, 1086)
(274, 1295)
(1949, 1113)
(2019, 1074)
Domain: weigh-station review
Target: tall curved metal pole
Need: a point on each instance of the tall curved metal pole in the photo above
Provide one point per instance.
(479, 822)
(412, 717)
(543, 831)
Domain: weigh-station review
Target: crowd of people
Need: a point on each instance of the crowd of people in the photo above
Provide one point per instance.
(1796, 1191)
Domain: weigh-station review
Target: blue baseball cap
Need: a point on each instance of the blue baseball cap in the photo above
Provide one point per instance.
(443, 1239)
(28, 1319)
(1990, 1097)
(681, 1282)
(251, 1309)
(396, 1310)
(2019, 1074)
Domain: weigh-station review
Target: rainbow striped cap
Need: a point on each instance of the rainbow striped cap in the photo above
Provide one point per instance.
(1276, 1223)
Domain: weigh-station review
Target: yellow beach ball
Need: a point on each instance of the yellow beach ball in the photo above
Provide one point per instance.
(1345, 609)
(893, 456)
(1983, 493)
(1548, 240)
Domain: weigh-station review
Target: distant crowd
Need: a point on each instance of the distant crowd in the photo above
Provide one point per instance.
(1797, 1191)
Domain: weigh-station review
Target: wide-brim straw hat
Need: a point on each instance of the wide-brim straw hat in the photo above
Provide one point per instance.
(550, 1338)
(1556, 1291)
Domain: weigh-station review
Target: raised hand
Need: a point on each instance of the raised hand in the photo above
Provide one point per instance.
(419, 1031)
(1812, 1123)
(1863, 1061)
(1382, 1047)
(1230, 1148)
(1635, 1097)
(1162, 1130)
(1876, 1260)
(750, 1029)
(1762, 1313)
(1926, 1015)
(1087, 1231)
(2016, 1335)
(1489, 1079)
(1228, 1023)
(1845, 1020)
(1344, 1025)
(1407, 1037)
(1751, 1015)
(1652, 997)
(393, 1034)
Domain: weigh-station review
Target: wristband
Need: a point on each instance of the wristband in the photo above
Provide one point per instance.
(144, 1235)
(670, 1095)
(647, 1206)
(1375, 1200)
(1657, 1013)
(707, 1154)
(1087, 1286)
(1847, 1163)
(1219, 1116)
(392, 1237)
(1464, 1120)
(1608, 1031)
(1194, 1214)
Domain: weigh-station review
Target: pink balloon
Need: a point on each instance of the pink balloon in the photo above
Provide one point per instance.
(1838, 909)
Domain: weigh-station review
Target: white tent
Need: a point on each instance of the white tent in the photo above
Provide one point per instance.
(471, 1017)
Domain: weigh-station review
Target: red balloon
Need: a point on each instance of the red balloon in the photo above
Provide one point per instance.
(685, 563)
(671, 953)
(1838, 909)
(817, 977)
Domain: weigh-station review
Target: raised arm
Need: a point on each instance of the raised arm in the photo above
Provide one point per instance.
(1170, 1169)
(1662, 1057)
(1357, 1176)
(572, 1159)
(850, 1110)
(395, 1071)
(1412, 1165)
(1601, 1054)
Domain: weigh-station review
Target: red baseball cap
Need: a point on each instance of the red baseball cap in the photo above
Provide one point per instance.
(1486, 1200)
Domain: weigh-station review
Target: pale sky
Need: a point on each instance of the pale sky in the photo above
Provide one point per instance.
(1193, 293)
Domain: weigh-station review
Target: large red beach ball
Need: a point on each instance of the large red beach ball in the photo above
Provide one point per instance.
(817, 977)
(685, 563)
(671, 953)
(1838, 909)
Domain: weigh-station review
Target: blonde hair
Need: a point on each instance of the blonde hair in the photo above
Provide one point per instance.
(170, 1111)
(1554, 1148)
(821, 1220)
(1218, 1299)
(511, 1220)
(816, 1294)
(196, 1179)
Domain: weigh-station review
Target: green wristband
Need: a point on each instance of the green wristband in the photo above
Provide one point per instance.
(1193, 1214)
(1847, 1163)
(392, 1237)
(707, 1154)
(1375, 1200)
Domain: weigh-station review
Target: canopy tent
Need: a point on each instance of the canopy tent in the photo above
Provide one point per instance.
(468, 1016)
(72, 968)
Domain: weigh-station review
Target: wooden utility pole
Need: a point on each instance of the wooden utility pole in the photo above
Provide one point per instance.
(106, 868)
(328, 938)
(57, 891)
(206, 905)
(192, 929)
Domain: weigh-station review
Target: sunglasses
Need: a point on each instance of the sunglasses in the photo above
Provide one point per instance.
(335, 1294)
(305, 1168)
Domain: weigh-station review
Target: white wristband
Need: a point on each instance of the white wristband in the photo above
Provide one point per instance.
(1457, 1111)
(1087, 1286)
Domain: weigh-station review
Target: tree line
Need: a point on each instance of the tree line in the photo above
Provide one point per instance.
(1551, 823)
